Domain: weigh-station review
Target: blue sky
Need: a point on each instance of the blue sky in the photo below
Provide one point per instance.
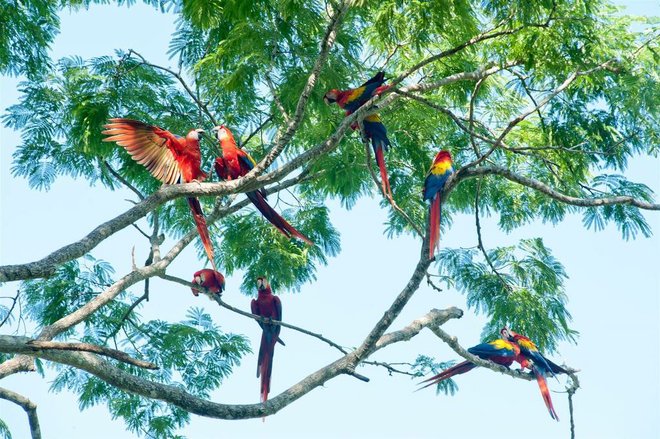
(614, 291)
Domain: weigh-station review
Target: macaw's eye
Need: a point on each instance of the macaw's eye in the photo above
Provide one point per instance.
(203, 277)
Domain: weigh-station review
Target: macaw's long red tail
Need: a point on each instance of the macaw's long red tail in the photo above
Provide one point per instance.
(543, 385)
(380, 159)
(265, 363)
(202, 229)
(460, 368)
(434, 225)
(275, 219)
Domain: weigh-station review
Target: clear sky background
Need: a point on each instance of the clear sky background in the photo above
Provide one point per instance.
(614, 291)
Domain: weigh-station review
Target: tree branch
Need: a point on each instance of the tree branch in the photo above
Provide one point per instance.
(218, 299)
(30, 346)
(27, 405)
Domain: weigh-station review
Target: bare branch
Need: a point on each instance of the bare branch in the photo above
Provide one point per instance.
(36, 345)
(27, 405)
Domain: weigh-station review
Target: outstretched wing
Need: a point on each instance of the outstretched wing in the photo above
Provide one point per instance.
(148, 145)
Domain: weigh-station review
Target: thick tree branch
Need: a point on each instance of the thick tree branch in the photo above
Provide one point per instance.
(179, 397)
(27, 405)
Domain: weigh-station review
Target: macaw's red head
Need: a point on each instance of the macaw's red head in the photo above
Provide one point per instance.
(442, 156)
(331, 96)
(262, 284)
(195, 134)
(223, 134)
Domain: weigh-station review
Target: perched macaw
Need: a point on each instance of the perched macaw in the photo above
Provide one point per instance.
(441, 169)
(269, 306)
(235, 163)
(530, 357)
(377, 133)
(500, 351)
(169, 158)
(212, 280)
(353, 98)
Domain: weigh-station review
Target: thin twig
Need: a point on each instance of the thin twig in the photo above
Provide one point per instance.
(125, 182)
(480, 241)
(11, 309)
(191, 93)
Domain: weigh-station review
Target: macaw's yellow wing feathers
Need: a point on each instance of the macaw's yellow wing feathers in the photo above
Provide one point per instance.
(148, 145)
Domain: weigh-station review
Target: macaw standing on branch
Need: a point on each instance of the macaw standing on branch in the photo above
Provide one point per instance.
(211, 280)
(374, 130)
(268, 306)
(170, 159)
(500, 351)
(235, 163)
(531, 358)
(441, 169)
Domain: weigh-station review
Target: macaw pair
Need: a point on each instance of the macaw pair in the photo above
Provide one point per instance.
(266, 305)
(173, 159)
(351, 100)
(504, 351)
(374, 130)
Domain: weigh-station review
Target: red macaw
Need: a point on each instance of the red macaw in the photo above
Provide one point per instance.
(352, 99)
(169, 158)
(269, 306)
(212, 280)
(531, 358)
(235, 163)
(441, 169)
(500, 351)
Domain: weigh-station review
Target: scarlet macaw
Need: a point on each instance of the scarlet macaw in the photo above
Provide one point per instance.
(500, 351)
(352, 99)
(530, 357)
(269, 306)
(441, 169)
(169, 158)
(212, 280)
(235, 163)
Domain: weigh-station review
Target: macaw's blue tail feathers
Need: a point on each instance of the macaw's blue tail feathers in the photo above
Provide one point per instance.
(275, 219)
